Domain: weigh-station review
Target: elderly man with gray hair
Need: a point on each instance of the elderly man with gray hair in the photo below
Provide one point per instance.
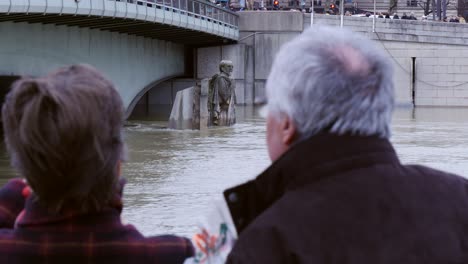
(336, 191)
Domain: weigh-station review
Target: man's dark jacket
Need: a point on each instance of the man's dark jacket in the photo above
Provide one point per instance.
(348, 199)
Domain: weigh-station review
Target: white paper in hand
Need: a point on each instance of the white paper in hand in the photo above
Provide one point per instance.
(216, 236)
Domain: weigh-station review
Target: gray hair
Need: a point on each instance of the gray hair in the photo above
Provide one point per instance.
(332, 80)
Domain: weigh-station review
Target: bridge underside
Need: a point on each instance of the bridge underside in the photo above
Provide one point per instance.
(128, 26)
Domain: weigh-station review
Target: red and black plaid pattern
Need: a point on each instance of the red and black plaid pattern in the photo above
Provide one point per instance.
(39, 236)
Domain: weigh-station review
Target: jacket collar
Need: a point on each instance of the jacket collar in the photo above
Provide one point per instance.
(306, 162)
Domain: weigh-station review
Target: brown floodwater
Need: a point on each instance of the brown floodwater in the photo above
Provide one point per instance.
(174, 176)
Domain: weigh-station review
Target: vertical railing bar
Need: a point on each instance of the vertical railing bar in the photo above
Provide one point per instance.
(136, 6)
(115, 9)
(180, 14)
(126, 9)
(155, 12)
(172, 13)
(197, 13)
(9, 8)
(215, 20)
(90, 7)
(146, 10)
(103, 8)
(76, 10)
(164, 11)
(46, 7)
(29, 6)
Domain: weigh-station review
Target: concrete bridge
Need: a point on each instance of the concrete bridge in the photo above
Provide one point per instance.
(136, 43)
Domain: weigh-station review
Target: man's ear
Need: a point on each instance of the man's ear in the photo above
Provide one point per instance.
(288, 130)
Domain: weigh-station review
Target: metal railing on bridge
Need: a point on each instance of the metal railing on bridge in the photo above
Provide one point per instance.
(182, 21)
(200, 9)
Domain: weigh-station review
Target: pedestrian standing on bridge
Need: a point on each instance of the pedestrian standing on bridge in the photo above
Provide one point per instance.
(336, 191)
(63, 134)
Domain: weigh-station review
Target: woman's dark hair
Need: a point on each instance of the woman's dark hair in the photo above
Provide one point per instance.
(63, 133)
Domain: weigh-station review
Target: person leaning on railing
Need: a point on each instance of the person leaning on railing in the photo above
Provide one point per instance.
(63, 133)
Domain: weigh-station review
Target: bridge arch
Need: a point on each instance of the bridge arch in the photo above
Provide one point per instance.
(155, 101)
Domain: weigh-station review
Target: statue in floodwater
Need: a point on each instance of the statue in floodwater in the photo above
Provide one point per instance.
(222, 96)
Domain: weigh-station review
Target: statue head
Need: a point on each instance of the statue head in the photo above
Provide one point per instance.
(226, 67)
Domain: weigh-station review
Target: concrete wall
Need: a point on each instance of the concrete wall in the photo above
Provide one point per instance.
(131, 62)
(440, 52)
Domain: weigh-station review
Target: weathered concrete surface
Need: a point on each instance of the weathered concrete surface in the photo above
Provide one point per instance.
(266, 47)
(182, 114)
(275, 21)
(208, 61)
(190, 108)
(131, 62)
(440, 52)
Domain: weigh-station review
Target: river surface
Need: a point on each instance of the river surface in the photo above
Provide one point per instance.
(174, 176)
